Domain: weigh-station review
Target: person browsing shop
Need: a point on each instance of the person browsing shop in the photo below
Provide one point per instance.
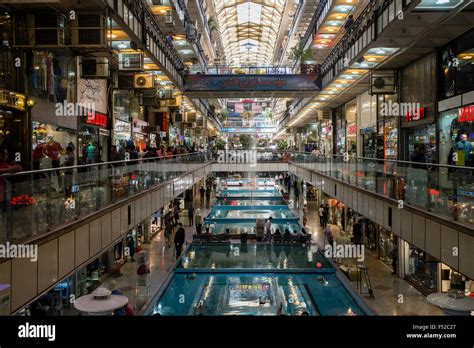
(466, 147)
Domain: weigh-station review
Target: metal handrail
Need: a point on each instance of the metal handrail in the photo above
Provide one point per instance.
(384, 160)
(230, 70)
(79, 166)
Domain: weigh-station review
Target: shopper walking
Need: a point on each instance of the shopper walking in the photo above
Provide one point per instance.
(191, 215)
(198, 221)
(202, 191)
(208, 195)
(321, 216)
(179, 240)
(168, 233)
(326, 214)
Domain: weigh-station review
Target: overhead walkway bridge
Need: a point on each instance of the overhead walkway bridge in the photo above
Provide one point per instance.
(242, 82)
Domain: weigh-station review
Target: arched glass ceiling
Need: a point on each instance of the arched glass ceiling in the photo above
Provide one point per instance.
(249, 29)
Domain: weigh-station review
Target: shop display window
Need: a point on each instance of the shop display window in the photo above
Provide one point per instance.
(386, 243)
(453, 280)
(51, 76)
(43, 136)
(457, 68)
(425, 135)
(421, 269)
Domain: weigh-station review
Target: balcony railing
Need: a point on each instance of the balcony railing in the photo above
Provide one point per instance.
(444, 190)
(35, 202)
(227, 70)
(189, 22)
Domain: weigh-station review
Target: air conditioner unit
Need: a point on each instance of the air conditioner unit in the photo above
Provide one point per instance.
(383, 82)
(175, 101)
(130, 61)
(94, 67)
(44, 30)
(164, 94)
(143, 81)
(88, 30)
(169, 18)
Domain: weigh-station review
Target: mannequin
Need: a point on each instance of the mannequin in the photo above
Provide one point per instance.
(53, 151)
(39, 152)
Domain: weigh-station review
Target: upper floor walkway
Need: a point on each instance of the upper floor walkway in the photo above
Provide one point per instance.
(252, 81)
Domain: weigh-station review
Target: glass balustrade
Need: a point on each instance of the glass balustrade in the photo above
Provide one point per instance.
(36, 202)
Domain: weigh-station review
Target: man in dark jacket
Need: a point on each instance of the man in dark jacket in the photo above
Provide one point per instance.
(179, 240)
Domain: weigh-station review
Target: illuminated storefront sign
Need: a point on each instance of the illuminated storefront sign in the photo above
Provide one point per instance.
(12, 100)
(97, 119)
(415, 115)
(466, 114)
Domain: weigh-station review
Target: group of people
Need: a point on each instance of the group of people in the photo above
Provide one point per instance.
(268, 236)
(210, 183)
(130, 152)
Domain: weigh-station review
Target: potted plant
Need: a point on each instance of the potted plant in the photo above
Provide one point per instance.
(247, 141)
(220, 144)
(282, 145)
(211, 24)
(304, 55)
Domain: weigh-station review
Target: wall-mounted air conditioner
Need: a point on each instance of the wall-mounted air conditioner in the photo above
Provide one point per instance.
(143, 81)
(130, 61)
(383, 82)
(94, 67)
(88, 29)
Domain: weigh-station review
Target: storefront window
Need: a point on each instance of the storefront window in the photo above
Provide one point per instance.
(43, 136)
(453, 280)
(51, 77)
(425, 135)
(369, 142)
(386, 243)
(421, 269)
(456, 138)
(457, 68)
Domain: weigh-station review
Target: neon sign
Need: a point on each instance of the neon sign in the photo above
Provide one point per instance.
(466, 114)
(415, 115)
(97, 119)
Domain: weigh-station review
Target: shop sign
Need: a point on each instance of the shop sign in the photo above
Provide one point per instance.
(12, 100)
(415, 115)
(97, 119)
(466, 114)
(104, 132)
(163, 121)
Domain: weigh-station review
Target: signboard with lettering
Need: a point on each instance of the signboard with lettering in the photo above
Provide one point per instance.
(229, 83)
(415, 115)
(97, 119)
(466, 114)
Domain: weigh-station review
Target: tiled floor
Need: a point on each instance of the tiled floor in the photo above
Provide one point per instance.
(387, 287)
